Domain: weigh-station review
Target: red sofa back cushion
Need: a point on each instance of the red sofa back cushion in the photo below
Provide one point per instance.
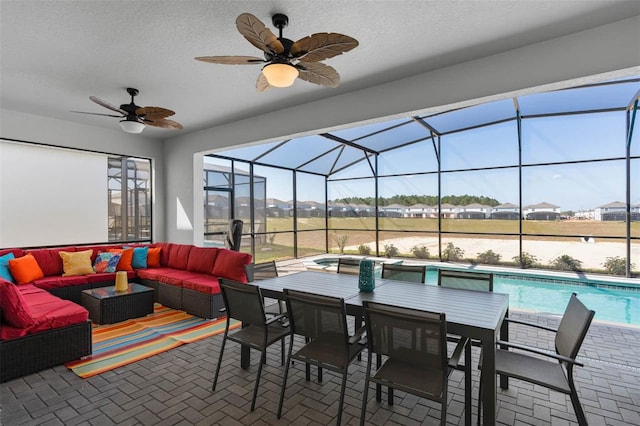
(49, 260)
(165, 252)
(230, 264)
(15, 310)
(178, 256)
(201, 259)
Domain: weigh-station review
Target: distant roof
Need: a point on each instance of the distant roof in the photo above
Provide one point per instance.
(614, 204)
(541, 205)
(506, 206)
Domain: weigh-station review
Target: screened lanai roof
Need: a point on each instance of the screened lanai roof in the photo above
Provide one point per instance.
(329, 153)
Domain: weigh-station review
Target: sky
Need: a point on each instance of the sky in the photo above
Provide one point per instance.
(493, 149)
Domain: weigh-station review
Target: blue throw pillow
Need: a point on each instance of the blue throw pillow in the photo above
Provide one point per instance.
(139, 259)
(4, 267)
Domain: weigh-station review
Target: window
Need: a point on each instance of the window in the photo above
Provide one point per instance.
(129, 197)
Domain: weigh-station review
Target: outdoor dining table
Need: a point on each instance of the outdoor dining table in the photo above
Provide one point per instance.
(473, 314)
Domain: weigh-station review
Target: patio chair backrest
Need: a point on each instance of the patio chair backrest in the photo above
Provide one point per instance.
(413, 337)
(318, 318)
(413, 273)
(261, 271)
(243, 302)
(348, 265)
(465, 280)
(573, 327)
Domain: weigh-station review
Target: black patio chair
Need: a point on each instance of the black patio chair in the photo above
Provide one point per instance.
(244, 302)
(414, 343)
(465, 280)
(348, 265)
(413, 273)
(322, 321)
(262, 271)
(555, 373)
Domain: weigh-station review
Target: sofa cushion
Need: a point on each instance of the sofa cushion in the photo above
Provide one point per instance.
(49, 260)
(126, 255)
(15, 309)
(5, 273)
(48, 283)
(106, 262)
(165, 253)
(50, 311)
(139, 259)
(201, 259)
(76, 263)
(25, 269)
(176, 277)
(17, 252)
(153, 274)
(204, 284)
(153, 257)
(179, 256)
(109, 277)
(230, 264)
(98, 249)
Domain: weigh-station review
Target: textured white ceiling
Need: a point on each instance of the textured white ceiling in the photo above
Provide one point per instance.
(55, 53)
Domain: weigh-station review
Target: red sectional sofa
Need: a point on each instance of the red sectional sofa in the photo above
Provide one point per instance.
(44, 312)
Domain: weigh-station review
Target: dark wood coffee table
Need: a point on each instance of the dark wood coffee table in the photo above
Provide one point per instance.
(107, 306)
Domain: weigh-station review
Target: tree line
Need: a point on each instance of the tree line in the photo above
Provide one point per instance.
(430, 200)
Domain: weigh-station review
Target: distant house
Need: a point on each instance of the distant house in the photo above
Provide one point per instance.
(448, 211)
(617, 211)
(474, 211)
(542, 211)
(393, 210)
(506, 211)
(420, 210)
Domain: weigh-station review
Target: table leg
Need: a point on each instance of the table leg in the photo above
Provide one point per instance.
(489, 382)
(504, 336)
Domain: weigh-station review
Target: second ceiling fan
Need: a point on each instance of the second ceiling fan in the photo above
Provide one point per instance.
(285, 59)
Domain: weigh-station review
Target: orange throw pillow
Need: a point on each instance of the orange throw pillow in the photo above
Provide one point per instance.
(126, 256)
(25, 269)
(153, 257)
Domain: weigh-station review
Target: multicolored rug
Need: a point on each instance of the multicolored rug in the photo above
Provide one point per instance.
(119, 344)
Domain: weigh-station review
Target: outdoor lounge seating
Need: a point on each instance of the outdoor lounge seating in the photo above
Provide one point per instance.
(557, 373)
(322, 321)
(244, 303)
(415, 344)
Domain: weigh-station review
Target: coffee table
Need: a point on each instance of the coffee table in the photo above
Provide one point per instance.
(106, 305)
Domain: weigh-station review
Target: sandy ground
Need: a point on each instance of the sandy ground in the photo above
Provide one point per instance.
(592, 254)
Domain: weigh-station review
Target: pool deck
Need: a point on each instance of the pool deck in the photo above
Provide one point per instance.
(174, 388)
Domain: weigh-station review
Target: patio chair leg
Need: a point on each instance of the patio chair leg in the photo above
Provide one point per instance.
(263, 360)
(342, 390)
(365, 393)
(215, 378)
(284, 378)
(577, 407)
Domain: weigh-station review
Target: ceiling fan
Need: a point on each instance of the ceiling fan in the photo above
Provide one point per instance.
(287, 60)
(135, 117)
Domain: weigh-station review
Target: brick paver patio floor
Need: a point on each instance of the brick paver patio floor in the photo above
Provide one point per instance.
(174, 388)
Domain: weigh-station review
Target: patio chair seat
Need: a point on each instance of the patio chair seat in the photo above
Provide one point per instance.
(545, 373)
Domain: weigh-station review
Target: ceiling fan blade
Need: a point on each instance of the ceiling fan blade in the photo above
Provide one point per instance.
(107, 105)
(262, 85)
(257, 34)
(96, 113)
(163, 123)
(320, 46)
(231, 60)
(154, 113)
(318, 73)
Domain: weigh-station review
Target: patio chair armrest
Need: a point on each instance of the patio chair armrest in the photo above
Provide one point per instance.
(531, 324)
(358, 335)
(223, 309)
(540, 352)
(454, 360)
(277, 318)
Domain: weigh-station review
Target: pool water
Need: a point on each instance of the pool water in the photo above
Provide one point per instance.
(611, 304)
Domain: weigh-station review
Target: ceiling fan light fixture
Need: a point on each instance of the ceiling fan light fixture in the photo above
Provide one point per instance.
(132, 126)
(280, 75)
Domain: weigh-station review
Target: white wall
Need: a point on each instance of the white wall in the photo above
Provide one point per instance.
(601, 53)
(48, 131)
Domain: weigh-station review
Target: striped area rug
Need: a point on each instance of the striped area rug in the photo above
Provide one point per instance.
(115, 345)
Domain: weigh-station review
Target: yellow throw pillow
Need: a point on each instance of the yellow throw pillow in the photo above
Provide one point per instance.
(76, 263)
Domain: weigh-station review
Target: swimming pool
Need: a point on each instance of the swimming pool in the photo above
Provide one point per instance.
(612, 303)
